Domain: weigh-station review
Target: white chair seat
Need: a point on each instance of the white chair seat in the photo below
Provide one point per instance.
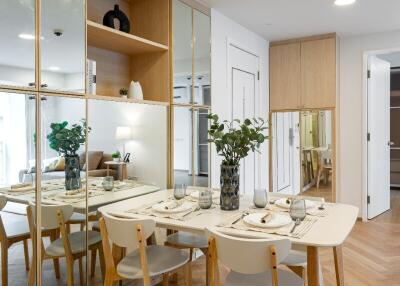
(18, 225)
(160, 259)
(77, 218)
(285, 278)
(295, 258)
(186, 239)
(77, 242)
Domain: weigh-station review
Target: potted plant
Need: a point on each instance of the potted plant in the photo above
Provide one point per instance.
(233, 141)
(123, 92)
(116, 156)
(67, 141)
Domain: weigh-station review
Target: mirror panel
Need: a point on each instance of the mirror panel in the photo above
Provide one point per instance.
(201, 147)
(17, 57)
(302, 152)
(17, 160)
(63, 45)
(202, 58)
(63, 121)
(183, 53)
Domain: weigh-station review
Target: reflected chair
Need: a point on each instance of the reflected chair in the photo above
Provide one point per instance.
(324, 166)
(251, 261)
(141, 261)
(11, 233)
(72, 246)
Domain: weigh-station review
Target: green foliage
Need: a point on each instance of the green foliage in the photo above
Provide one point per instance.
(235, 139)
(66, 141)
(116, 155)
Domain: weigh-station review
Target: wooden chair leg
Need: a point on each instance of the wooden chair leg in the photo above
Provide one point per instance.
(32, 270)
(165, 281)
(93, 262)
(56, 262)
(70, 271)
(4, 263)
(102, 262)
(319, 177)
(81, 272)
(26, 254)
(207, 267)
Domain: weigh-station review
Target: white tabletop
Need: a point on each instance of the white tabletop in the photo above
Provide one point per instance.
(331, 230)
(93, 202)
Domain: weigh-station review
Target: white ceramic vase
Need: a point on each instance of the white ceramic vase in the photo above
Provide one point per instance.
(135, 90)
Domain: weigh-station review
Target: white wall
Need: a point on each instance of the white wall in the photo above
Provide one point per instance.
(222, 30)
(351, 116)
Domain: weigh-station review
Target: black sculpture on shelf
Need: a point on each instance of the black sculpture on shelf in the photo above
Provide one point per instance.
(108, 19)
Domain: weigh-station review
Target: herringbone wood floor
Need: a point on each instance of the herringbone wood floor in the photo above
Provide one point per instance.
(371, 257)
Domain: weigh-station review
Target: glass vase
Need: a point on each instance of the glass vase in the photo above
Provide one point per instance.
(229, 182)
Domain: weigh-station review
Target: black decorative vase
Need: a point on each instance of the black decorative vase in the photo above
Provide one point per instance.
(229, 182)
(108, 19)
(72, 173)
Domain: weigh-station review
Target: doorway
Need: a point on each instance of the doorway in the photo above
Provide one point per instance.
(383, 134)
(244, 74)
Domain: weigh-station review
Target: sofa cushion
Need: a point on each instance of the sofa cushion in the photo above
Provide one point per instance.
(94, 160)
(60, 166)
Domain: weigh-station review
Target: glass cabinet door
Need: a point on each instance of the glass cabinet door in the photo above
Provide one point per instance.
(17, 30)
(63, 45)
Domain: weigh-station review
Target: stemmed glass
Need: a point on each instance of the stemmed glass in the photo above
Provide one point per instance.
(260, 198)
(179, 191)
(297, 211)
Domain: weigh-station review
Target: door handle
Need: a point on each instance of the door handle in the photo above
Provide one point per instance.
(390, 143)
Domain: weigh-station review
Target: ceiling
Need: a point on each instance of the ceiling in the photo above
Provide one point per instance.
(283, 19)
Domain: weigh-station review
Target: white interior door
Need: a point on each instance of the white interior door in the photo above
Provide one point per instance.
(379, 143)
(244, 79)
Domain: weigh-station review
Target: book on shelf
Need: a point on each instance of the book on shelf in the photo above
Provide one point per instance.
(91, 77)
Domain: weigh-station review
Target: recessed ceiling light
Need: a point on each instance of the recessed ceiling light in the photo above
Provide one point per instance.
(27, 36)
(344, 2)
(53, 68)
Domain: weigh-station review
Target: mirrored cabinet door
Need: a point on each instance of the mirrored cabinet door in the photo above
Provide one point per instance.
(201, 147)
(182, 52)
(202, 60)
(17, 30)
(63, 45)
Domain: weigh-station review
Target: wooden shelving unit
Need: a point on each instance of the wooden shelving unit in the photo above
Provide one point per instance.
(128, 100)
(107, 38)
(141, 55)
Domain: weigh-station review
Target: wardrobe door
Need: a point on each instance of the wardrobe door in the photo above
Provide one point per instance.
(285, 77)
(318, 73)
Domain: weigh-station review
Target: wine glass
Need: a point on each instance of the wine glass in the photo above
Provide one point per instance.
(260, 198)
(205, 199)
(298, 209)
(179, 191)
(108, 183)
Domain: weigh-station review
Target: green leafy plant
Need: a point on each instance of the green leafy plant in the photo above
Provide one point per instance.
(67, 141)
(116, 155)
(123, 91)
(235, 139)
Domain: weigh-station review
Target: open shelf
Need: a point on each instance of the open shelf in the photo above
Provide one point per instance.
(110, 39)
(120, 99)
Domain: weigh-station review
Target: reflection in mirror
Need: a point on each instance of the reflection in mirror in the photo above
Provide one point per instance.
(63, 45)
(316, 155)
(17, 57)
(302, 153)
(63, 121)
(17, 154)
(285, 153)
(183, 55)
(202, 60)
(183, 146)
(201, 150)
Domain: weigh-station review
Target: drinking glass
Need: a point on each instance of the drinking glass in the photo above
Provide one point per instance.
(179, 191)
(298, 209)
(260, 198)
(108, 183)
(205, 199)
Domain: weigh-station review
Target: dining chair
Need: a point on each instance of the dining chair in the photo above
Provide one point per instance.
(186, 240)
(10, 233)
(71, 246)
(141, 261)
(324, 166)
(251, 261)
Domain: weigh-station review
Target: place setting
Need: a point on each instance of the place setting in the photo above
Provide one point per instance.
(294, 223)
(313, 207)
(181, 206)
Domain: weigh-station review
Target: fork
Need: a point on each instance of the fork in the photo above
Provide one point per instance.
(296, 224)
(241, 217)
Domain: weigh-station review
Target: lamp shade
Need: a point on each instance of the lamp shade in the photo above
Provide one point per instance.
(123, 133)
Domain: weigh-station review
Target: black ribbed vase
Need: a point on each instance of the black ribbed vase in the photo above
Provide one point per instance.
(229, 182)
(72, 173)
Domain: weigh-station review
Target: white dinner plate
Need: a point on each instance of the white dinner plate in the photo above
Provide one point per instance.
(277, 220)
(173, 207)
(283, 203)
(195, 195)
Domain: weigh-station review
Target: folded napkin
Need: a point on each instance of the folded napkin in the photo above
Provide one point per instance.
(18, 186)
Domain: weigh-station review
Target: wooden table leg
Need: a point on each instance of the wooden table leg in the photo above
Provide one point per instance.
(312, 266)
(338, 257)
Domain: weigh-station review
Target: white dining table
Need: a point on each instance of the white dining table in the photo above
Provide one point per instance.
(328, 231)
